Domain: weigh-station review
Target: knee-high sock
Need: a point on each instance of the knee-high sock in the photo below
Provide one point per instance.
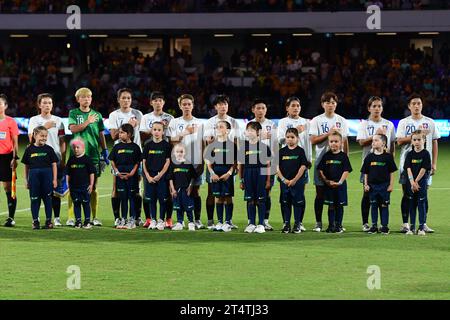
(374, 211)
(35, 205)
(169, 208)
(422, 208)
(229, 212)
(219, 208)
(56, 204)
(286, 210)
(87, 211)
(412, 212)
(77, 210)
(331, 215)
(384, 216)
(261, 211)
(339, 215)
(153, 209)
(47, 199)
(404, 208)
(268, 206)
(297, 213)
(146, 206)
(365, 207)
(94, 203)
(12, 204)
(302, 211)
(318, 208)
(197, 207)
(70, 213)
(115, 203)
(137, 205)
(210, 207)
(251, 212)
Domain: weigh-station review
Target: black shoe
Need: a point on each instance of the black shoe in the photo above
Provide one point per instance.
(286, 228)
(10, 222)
(338, 229)
(36, 225)
(296, 228)
(48, 225)
(373, 229)
(384, 230)
(330, 229)
(78, 224)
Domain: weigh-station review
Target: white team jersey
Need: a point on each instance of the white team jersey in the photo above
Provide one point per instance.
(54, 133)
(407, 126)
(149, 118)
(303, 137)
(117, 118)
(211, 125)
(368, 128)
(268, 126)
(321, 125)
(193, 141)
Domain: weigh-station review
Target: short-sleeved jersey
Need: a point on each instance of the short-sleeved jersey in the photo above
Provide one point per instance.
(321, 125)
(90, 134)
(156, 154)
(39, 156)
(117, 118)
(8, 130)
(291, 160)
(379, 167)
(78, 169)
(368, 128)
(125, 154)
(254, 155)
(193, 142)
(54, 133)
(334, 165)
(418, 160)
(303, 137)
(268, 126)
(221, 153)
(182, 174)
(149, 118)
(210, 126)
(407, 126)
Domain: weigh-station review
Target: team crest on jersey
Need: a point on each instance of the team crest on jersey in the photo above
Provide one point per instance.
(180, 127)
(385, 127)
(425, 126)
(268, 128)
(338, 125)
(289, 126)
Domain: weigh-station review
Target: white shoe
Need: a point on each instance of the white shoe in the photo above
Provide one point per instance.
(302, 228)
(198, 224)
(210, 225)
(318, 227)
(97, 222)
(267, 226)
(139, 222)
(57, 222)
(121, 224)
(191, 226)
(152, 225)
(160, 225)
(116, 222)
(409, 233)
(405, 228)
(366, 227)
(178, 227)
(421, 233)
(70, 223)
(427, 229)
(260, 229)
(250, 228)
(218, 227)
(131, 224)
(226, 227)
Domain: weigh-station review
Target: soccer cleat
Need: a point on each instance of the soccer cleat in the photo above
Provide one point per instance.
(178, 227)
(131, 223)
(57, 222)
(210, 225)
(120, 224)
(160, 225)
(250, 228)
(226, 227)
(427, 229)
(169, 223)
(260, 229)
(267, 226)
(296, 228)
(218, 227)
(373, 230)
(70, 223)
(384, 230)
(286, 228)
(139, 222)
(330, 229)
(366, 227)
(36, 225)
(48, 225)
(87, 225)
(318, 227)
(405, 228)
(10, 222)
(421, 232)
(191, 226)
(116, 222)
(199, 225)
(302, 228)
(339, 229)
(152, 225)
(78, 224)
(97, 222)
(147, 223)
(410, 232)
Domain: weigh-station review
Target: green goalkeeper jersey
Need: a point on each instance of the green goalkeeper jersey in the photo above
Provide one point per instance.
(90, 134)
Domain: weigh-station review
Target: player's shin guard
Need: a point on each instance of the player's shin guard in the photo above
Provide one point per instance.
(318, 208)
(229, 212)
(286, 210)
(94, 203)
(404, 208)
(261, 211)
(210, 207)
(422, 208)
(12, 204)
(115, 203)
(365, 207)
(197, 207)
(384, 215)
(219, 208)
(251, 212)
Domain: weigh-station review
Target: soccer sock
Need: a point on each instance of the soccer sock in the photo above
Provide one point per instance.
(261, 211)
(115, 203)
(47, 199)
(339, 215)
(87, 211)
(412, 212)
(331, 215)
(153, 209)
(426, 209)
(77, 210)
(404, 208)
(229, 212)
(131, 199)
(12, 204)
(318, 208)
(169, 208)
(190, 216)
(210, 207)
(384, 216)
(70, 213)
(162, 208)
(422, 207)
(286, 211)
(56, 204)
(35, 204)
(268, 206)
(123, 204)
(197, 207)
(251, 211)
(302, 211)
(219, 208)
(137, 205)
(180, 216)
(365, 208)
(94, 203)
(374, 211)
(297, 213)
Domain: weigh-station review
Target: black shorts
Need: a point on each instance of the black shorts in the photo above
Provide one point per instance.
(5, 167)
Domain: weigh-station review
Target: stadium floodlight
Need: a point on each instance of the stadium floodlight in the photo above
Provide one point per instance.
(223, 35)
(137, 36)
(344, 34)
(261, 35)
(18, 35)
(428, 33)
(302, 34)
(57, 36)
(386, 33)
(98, 36)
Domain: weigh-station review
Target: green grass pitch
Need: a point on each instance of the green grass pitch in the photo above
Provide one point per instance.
(144, 264)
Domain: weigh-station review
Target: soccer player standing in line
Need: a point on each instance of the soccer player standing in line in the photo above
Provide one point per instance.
(9, 149)
(406, 126)
(56, 140)
(86, 123)
(322, 126)
(374, 125)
